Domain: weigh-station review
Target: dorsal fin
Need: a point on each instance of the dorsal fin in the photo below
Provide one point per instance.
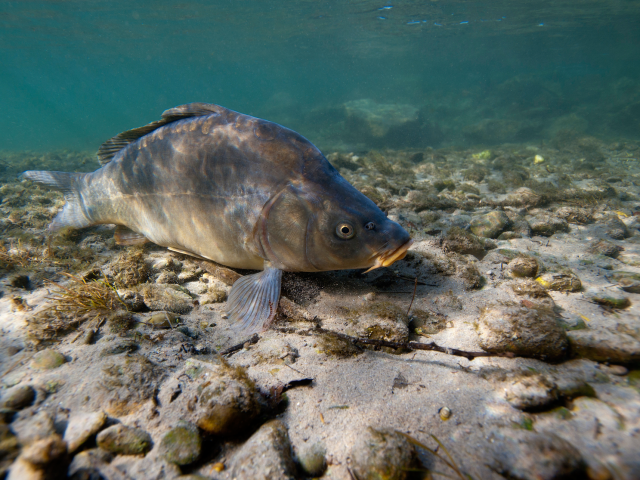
(112, 146)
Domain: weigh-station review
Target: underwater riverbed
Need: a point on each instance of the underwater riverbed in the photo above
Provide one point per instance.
(532, 250)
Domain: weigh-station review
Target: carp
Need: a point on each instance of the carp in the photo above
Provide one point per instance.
(244, 192)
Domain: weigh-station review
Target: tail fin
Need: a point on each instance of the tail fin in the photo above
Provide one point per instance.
(73, 214)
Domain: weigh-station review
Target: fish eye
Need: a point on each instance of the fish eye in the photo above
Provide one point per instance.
(370, 226)
(345, 230)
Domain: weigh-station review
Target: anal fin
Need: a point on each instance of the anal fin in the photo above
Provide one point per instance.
(126, 236)
(253, 300)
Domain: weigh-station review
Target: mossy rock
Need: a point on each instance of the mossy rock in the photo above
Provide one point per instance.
(221, 399)
(561, 282)
(381, 455)
(490, 225)
(528, 332)
(182, 444)
(47, 359)
(19, 397)
(121, 439)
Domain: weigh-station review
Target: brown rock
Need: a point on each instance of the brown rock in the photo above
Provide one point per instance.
(266, 455)
(526, 455)
(528, 332)
(523, 267)
(381, 455)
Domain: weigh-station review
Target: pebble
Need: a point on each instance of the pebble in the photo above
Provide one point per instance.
(23, 470)
(523, 267)
(524, 197)
(47, 450)
(381, 454)
(163, 320)
(369, 297)
(196, 288)
(575, 215)
(615, 227)
(81, 426)
(521, 227)
(611, 299)
(86, 464)
(573, 386)
(170, 298)
(220, 399)
(530, 288)
(167, 278)
(527, 332)
(12, 350)
(19, 397)
(527, 455)
(618, 370)
(602, 345)
(189, 275)
(312, 459)
(6, 415)
(381, 321)
(606, 248)
(132, 299)
(182, 444)
(275, 350)
(546, 225)
(121, 439)
(88, 336)
(560, 282)
(266, 455)
(490, 225)
(33, 428)
(47, 359)
(9, 448)
(531, 392)
(216, 293)
(627, 281)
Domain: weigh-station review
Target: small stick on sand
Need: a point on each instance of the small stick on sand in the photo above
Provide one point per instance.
(415, 287)
(413, 346)
(240, 346)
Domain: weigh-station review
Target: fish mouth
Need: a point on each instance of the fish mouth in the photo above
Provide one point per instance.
(387, 258)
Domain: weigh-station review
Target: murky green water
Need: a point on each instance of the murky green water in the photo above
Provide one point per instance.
(349, 75)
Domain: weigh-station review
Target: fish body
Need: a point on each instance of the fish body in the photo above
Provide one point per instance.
(238, 190)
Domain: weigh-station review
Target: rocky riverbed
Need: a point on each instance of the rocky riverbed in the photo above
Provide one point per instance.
(119, 363)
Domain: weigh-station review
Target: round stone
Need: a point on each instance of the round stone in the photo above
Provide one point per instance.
(523, 267)
(81, 426)
(381, 454)
(312, 459)
(528, 332)
(182, 444)
(18, 397)
(121, 439)
(47, 359)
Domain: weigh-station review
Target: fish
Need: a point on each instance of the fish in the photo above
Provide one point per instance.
(243, 192)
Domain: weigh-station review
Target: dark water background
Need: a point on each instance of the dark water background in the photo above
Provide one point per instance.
(430, 73)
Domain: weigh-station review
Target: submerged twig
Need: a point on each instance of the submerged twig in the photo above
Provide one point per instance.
(415, 287)
(412, 345)
(240, 346)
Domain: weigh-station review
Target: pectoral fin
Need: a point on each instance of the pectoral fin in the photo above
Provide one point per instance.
(254, 299)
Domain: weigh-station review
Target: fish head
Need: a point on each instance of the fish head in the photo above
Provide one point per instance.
(355, 234)
(311, 229)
